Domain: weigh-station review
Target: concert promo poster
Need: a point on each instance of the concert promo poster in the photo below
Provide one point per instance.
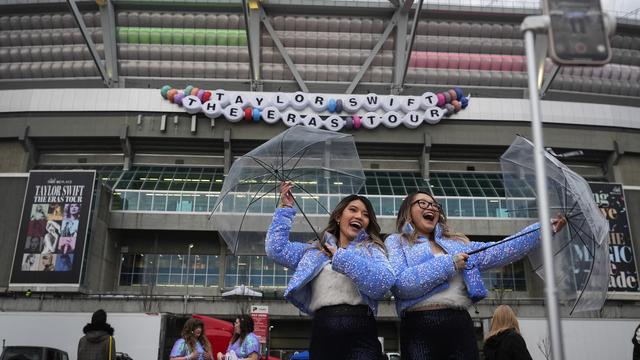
(53, 228)
(610, 200)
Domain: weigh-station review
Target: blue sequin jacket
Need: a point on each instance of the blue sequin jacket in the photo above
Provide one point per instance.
(420, 274)
(366, 265)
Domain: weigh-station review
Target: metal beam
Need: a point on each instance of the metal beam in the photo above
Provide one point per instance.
(407, 55)
(228, 156)
(87, 39)
(252, 21)
(400, 47)
(425, 157)
(109, 40)
(127, 149)
(395, 3)
(283, 51)
(376, 48)
(30, 148)
(548, 80)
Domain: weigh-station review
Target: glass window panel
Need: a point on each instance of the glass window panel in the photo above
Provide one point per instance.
(399, 190)
(453, 207)
(163, 280)
(466, 207)
(480, 207)
(385, 190)
(159, 202)
(213, 279)
(173, 202)
(388, 206)
(449, 191)
(438, 191)
(146, 200)
(135, 185)
(186, 203)
(200, 280)
(446, 183)
(175, 279)
(130, 200)
(201, 203)
(476, 192)
(462, 191)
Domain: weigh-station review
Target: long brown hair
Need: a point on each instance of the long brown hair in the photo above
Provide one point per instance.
(503, 319)
(246, 327)
(373, 229)
(188, 334)
(404, 216)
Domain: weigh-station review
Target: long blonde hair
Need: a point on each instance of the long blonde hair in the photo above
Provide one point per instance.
(404, 216)
(503, 319)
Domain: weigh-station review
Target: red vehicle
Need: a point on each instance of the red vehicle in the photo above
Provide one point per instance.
(219, 333)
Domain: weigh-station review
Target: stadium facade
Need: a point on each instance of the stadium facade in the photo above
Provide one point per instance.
(158, 169)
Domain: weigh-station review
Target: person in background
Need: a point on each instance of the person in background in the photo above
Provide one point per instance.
(338, 279)
(504, 341)
(98, 342)
(636, 344)
(193, 344)
(244, 344)
(436, 280)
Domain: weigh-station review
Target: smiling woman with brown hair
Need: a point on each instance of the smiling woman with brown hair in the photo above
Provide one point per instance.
(436, 280)
(337, 279)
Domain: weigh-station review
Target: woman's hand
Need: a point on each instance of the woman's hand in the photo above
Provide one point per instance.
(460, 260)
(220, 356)
(192, 356)
(558, 223)
(286, 197)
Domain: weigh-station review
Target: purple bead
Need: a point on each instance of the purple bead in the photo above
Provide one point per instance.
(178, 98)
(200, 94)
(338, 106)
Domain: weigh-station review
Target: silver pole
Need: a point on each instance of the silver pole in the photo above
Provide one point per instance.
(553, 315)
(186, 297)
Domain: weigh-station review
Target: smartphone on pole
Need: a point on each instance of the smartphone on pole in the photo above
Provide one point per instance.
(577, 34)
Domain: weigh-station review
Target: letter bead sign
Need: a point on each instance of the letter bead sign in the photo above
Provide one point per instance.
(333, 112)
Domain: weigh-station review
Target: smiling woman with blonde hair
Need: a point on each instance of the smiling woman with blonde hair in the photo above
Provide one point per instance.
(504, 340)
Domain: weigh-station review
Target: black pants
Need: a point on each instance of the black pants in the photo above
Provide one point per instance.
(445, 334)
(344, 332)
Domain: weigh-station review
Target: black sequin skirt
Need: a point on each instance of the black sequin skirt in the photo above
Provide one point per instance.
(445, 334)
(346, 332)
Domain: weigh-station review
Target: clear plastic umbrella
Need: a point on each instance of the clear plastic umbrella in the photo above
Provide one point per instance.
(581, 249)
(323, 165)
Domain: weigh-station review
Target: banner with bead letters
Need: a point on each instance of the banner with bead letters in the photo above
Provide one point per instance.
(329, 111)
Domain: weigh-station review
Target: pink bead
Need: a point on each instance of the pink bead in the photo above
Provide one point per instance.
(441, 99)
(356, 121)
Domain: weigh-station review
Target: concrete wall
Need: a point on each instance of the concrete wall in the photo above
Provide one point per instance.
(583, 339)
(102, 255)
(13, 157)
(12, 189)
